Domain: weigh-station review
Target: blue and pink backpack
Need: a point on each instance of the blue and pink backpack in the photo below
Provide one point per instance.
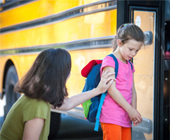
(92, 107)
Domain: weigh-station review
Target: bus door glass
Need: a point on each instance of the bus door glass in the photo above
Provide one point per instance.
(144, 75)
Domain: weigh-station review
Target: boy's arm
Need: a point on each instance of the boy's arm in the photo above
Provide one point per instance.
(134, 96)
(118, 97)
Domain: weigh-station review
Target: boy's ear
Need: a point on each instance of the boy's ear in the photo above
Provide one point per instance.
(119, 42)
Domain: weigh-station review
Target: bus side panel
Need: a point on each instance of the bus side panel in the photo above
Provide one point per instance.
(89, 26)
(33, 11)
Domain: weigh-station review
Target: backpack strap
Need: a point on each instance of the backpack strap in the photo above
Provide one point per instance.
(131, 64)
(116, 64)
(99, 111)
(104, 95)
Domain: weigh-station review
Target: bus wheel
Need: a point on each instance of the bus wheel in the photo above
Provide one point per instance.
(11, 96)
(54, 125)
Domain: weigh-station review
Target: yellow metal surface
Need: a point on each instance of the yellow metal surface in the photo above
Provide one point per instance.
(89, 26)
(35, 10)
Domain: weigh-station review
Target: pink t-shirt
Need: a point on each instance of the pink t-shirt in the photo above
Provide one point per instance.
(112, 112)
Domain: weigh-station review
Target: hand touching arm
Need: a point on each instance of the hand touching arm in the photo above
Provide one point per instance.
(105, 82)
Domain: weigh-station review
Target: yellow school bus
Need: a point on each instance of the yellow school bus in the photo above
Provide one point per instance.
(86, 28)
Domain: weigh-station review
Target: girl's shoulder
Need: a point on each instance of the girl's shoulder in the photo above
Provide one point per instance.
(108, 61)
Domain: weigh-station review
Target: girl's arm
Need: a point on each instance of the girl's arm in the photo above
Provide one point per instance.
(105, 82)
(134, 102)
(118, 97)
(134, 96)
(32, 129)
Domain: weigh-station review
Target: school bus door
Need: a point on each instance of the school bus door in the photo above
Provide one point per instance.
(149, 65)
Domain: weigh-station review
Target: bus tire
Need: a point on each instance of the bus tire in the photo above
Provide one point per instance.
(11, 96)
(54, 125)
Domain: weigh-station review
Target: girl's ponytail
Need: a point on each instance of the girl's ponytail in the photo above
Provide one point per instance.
(114, 43)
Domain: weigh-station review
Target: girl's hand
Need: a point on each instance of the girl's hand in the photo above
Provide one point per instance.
(135, 123)
(135, 116)
(105, 82)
